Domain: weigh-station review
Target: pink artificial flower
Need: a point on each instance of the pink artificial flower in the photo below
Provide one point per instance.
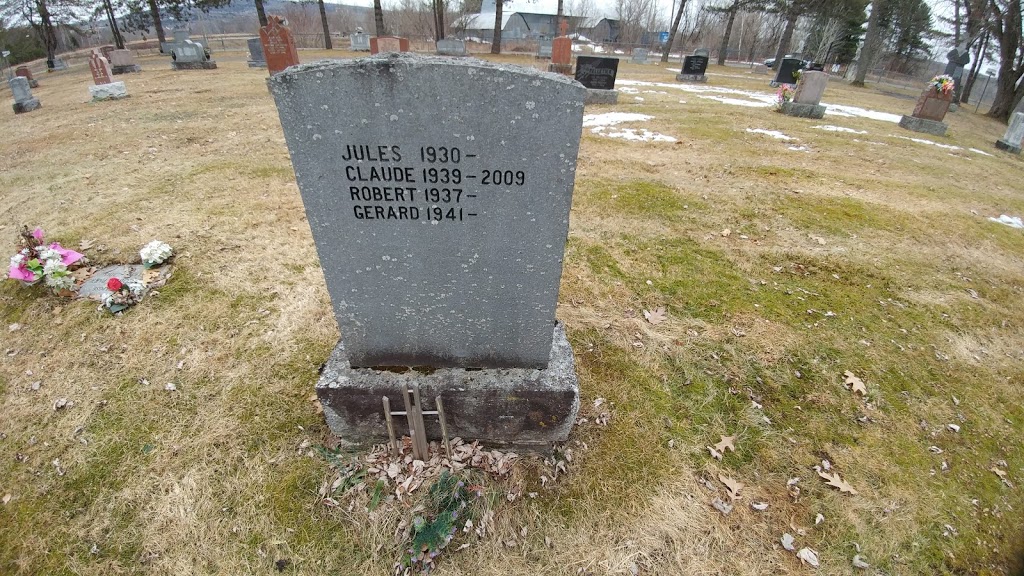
(37, 233)
(21, 273)
(67, 257)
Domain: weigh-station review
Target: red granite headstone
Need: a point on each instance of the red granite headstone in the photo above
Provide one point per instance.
(106, 50)
(278, 45)
(933, 104)
(24, 72)
(100, 68)
(388, 44)
(561, 51)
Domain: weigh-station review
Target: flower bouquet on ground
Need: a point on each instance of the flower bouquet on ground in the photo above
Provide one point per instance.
(155, 253)
(123, 295)
(943, 83)
(38, 261)
(785, 94)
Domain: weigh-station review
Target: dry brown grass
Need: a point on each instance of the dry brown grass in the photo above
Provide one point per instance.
(210, 479)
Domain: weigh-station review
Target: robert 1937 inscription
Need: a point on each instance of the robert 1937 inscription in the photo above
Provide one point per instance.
(438, 193)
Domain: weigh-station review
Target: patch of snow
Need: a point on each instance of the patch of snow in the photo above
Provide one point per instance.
(800, 148)
(982, 152)
(628, 90)
(830, 128)
(923, 141)
(613, 118)
(736, 101)
(638, 135)
(773, 133)
(638, 99)
(619, 52)
(1011, 221)
(848, 111)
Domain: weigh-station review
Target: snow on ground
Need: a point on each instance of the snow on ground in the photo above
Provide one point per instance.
(604, 124)
(734, 101)
(773, 133)
(1012, 221)
(940, 145)
(800, 148)
(830, 128)
(848, 111)
(982, 152)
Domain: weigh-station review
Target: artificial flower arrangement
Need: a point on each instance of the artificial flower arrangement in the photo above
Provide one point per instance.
(943, 83)
(785, 94)
(123, 294)
(155, 253)
(38, 261)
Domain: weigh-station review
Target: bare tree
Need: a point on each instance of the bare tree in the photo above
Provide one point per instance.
(634, 16)
(496, 41)
(1007, 26)
(673, 30)
(378, 18)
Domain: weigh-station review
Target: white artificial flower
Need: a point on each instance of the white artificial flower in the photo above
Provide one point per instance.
(17, 260)
(156, 252)
(54, 268)
(48, 254)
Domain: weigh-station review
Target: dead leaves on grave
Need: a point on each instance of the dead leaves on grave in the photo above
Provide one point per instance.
(856, 384)
(718, 450)
(733, 486)
(656, 316)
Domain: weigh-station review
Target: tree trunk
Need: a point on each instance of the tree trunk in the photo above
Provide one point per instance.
(559, 15)
(439, 10)
(871, 38)
(327, 30)
(972, 77)
(378, 18)
(46, 31)
(723, 51)
(154, 13)
(787, 37)
(261, 14)
(1008, 32)
(496, 41)
(672, 32)
(112, 20)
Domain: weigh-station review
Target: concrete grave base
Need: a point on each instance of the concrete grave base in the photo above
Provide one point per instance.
(1004, 145)
(601, 96)
(256, 64)
(126, 69)
(27, 106)
(696, 78)
(561, 69)
(208, 65)
(799, 110)
(521, 407)
(111, 91)
(922, 125)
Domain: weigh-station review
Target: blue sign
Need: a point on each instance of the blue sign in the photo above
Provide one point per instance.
(663, 37)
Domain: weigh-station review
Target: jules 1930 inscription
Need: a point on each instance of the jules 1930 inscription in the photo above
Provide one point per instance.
(434, 184)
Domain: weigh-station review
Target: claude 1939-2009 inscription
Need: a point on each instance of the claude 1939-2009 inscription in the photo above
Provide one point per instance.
(433, 184)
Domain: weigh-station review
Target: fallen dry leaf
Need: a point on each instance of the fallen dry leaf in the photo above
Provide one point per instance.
(656, 316)
(726, 444)
(714, 453)
(787, 541)
(856, 385)
(721, 506)
(6, 499)
(835, 481)
(808, 556)
(733, 486)
(859, 563)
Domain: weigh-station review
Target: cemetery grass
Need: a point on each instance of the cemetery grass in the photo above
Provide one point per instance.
(779, 270)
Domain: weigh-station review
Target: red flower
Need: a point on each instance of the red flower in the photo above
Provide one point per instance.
(114, 285)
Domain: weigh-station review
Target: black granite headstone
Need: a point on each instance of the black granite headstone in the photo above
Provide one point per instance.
(696, 65)
(597, 73)
(786, 69)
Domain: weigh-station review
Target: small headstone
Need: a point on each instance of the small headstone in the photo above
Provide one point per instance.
(694, 68)
(929, 112)
(95, 286)
(598, 76)
(360, 42)
(561, 55)
(123, 62)
(256, 59)
(100, 68)
(191, 55)
(25, 73)
(702, 52)
(806, 101)
(278, 45)
(640, 55)
(385, 44)
(441, 232)
(760, 69)
(23, 100)
(1011, 141)
(451, 47)
(544, 49)
(956, 60)
(786, 71)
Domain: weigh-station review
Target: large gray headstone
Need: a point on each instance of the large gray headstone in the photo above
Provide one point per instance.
(20, 89)
(640, 55)
(451, 47)
(189, 51)
(1011, 141)
(810, 88)
(438, 193)
(256, 58)
(360, 42)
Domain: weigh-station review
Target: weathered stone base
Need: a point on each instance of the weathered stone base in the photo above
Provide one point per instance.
(922, 125)
(561, 69)
(126, 69)
(695, 78)
(33, 83)
(601, 96)
(27, 106)
(1004, 145)
(256, 64)
(520, 407)
(803, 110)
(208, 65)
(112, 91)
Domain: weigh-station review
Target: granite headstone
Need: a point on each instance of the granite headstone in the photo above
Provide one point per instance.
(1011, 141)
(598, 76)
(929, 112)
(25, 73)
(123, 62)
(544, 49)
(384, 44)
(693, 69)
(256, 58)
(278, 45)
(23, 100)
(190, 55)
(451, 47)
(438, 193)
(806, 102)
(360, 42)
(640, 55)
(561, 55)
(100, 68)
(786, 71)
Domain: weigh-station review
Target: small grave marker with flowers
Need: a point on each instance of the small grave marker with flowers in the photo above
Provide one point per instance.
(931, 107)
